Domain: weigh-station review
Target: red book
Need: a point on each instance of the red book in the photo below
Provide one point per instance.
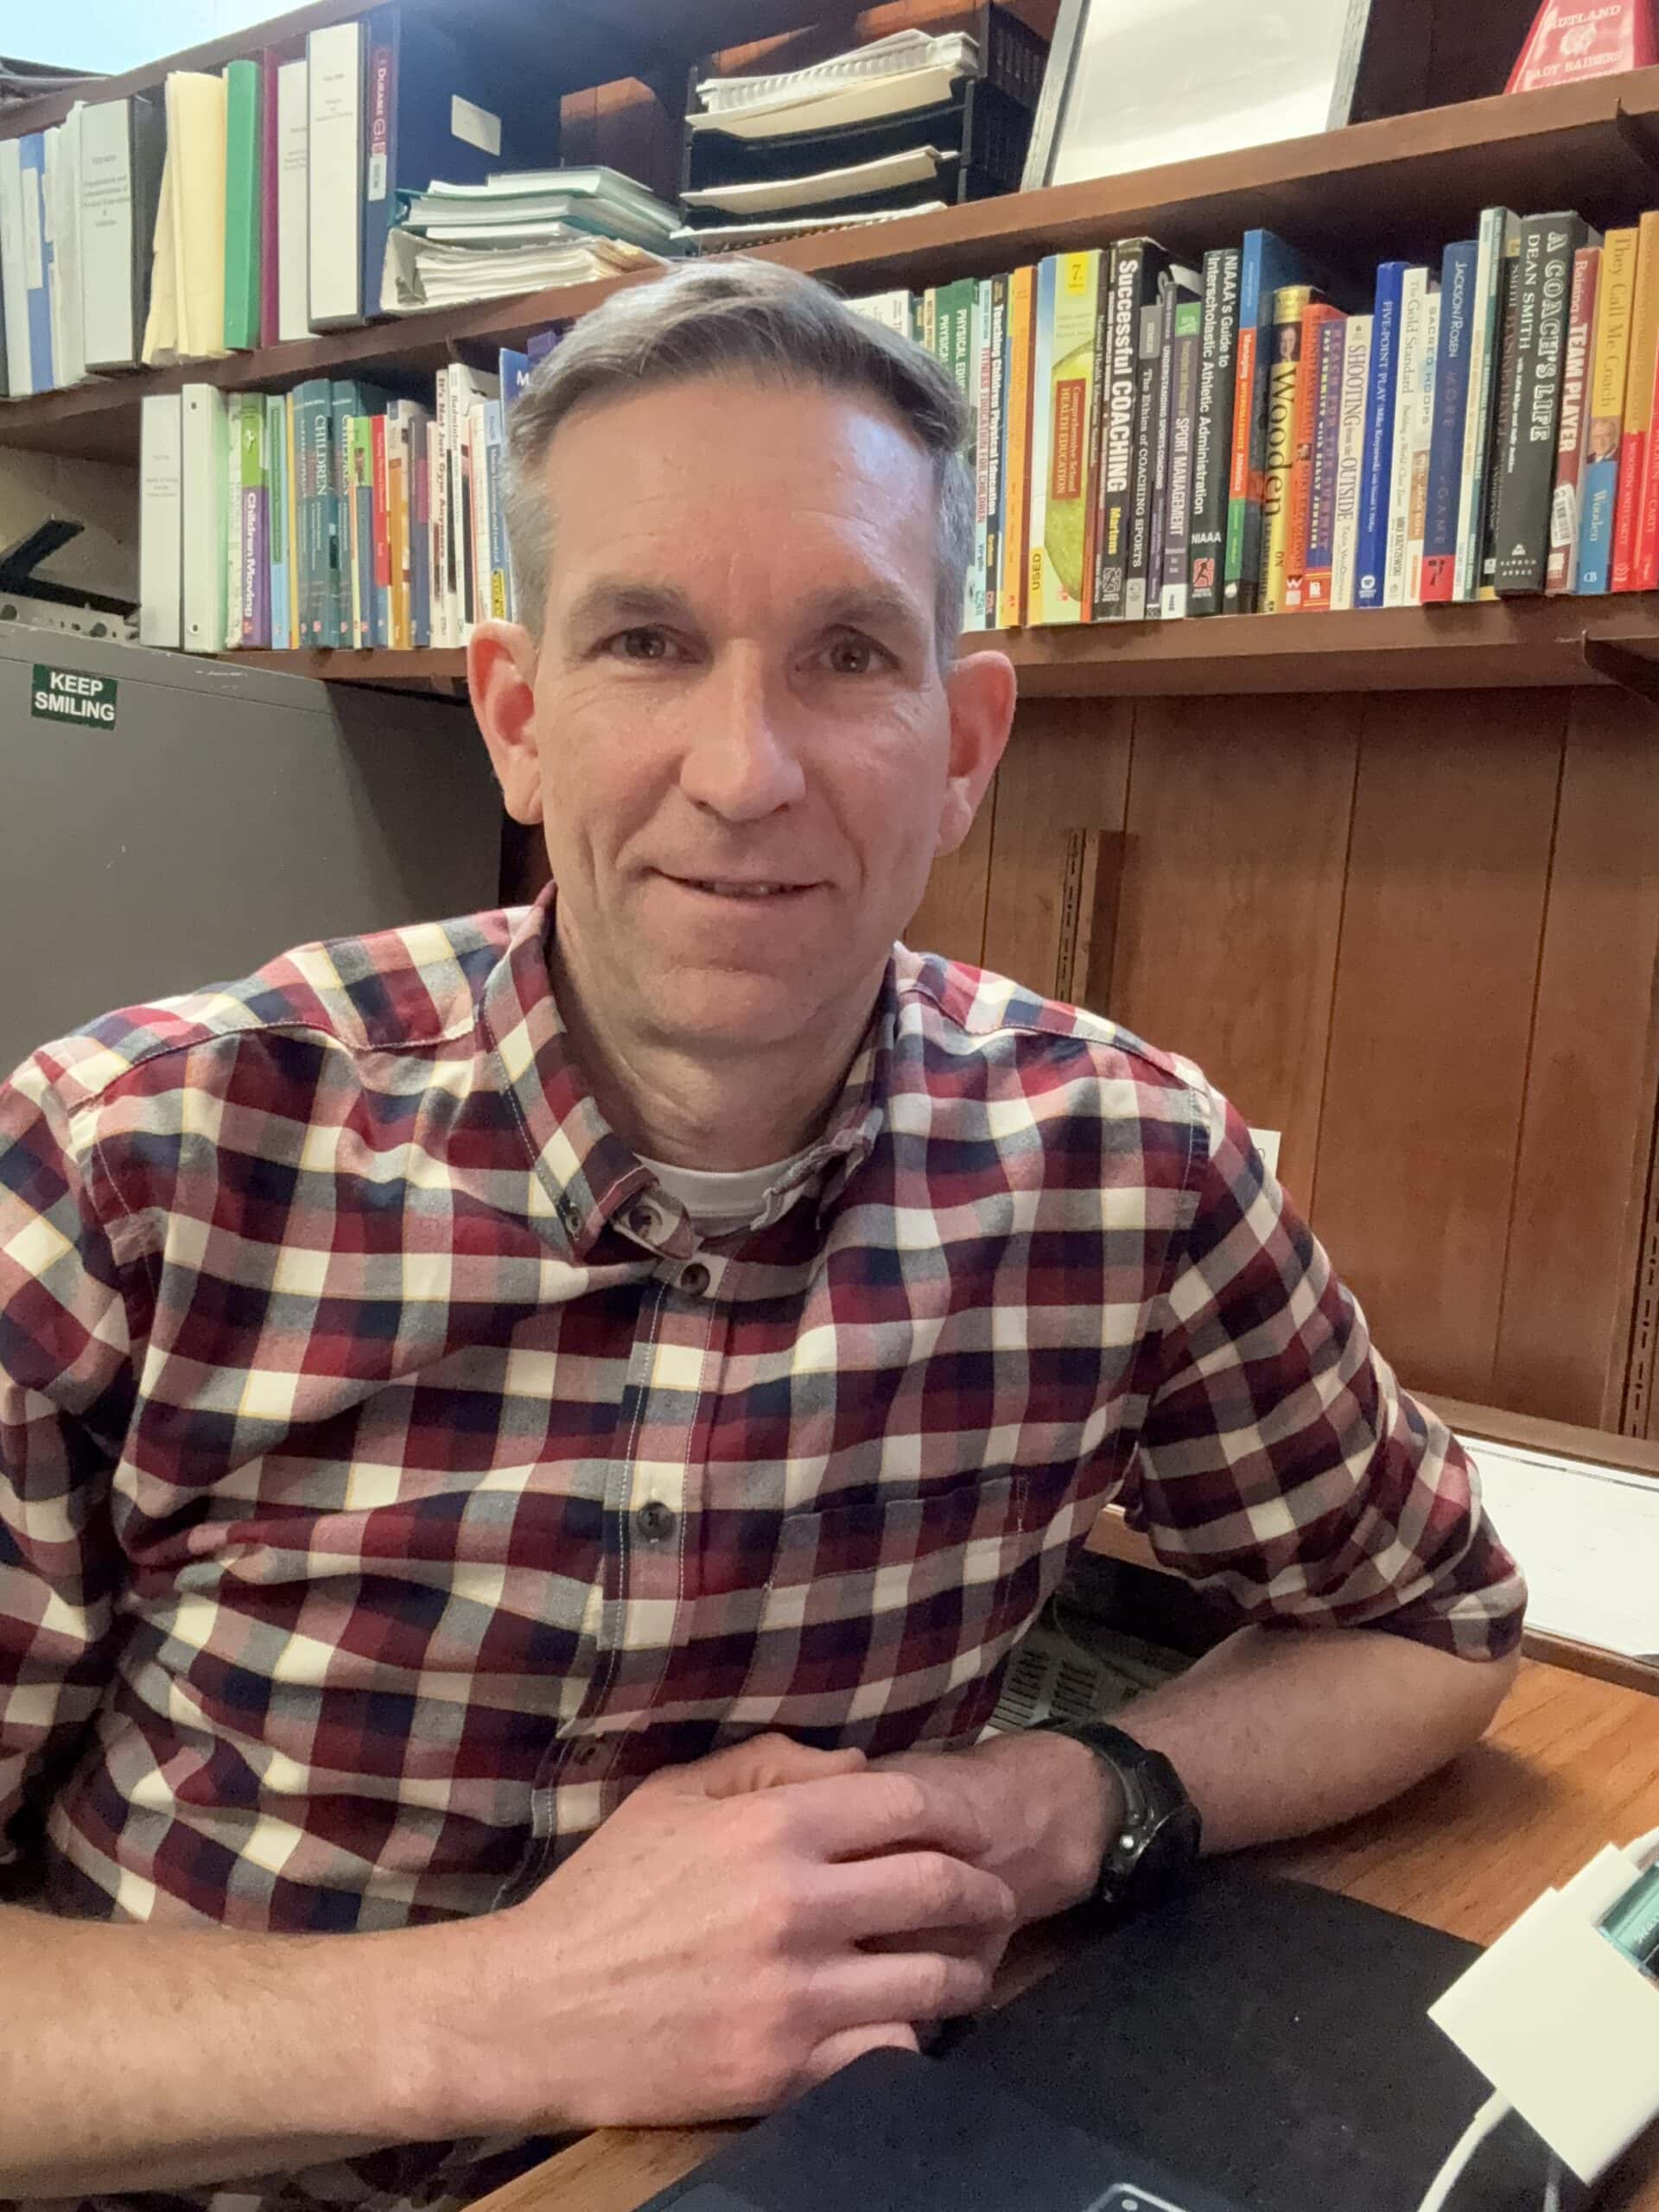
(1567, 45)
(1643, 574)
(269, 154)
(382, 526)
(1298, 495)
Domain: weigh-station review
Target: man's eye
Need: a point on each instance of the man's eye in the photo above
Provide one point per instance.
(641, 644)
(852, 656)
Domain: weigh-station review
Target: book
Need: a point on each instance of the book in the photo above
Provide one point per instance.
(1212, 440)
(294, 636)
(1147, 371)
(1187, 342)
(1057, 558)
(251, 460)
(1321, 530)
(1016, 463)
(996, 428)
(1267, 264)
(1565, 509)
(243, 185)
(1416, 345)
(1317, 317)
(1042, 379)
(37, 304)
(359, 445)
(293, 255)
(1290, 303)
(979, 381)
(1611, 357)
(499, 605)
(1422, 432)
(1502, 405)
(122, 144)
(391, 488)
(382, 442)
(1350, 454)
(314, 471)
(160, 431)
(271, 157)
(277, 461)
(1638, 401)
(1439, 554)
(14, 282)
(417, 558)
(196, 163)
(1376, 465)
(1498, 231)
(1175, 286)
(63, 188)
(204, 486)
(1135, 267)
(1525, 467)
(334, 76)
(891, 309)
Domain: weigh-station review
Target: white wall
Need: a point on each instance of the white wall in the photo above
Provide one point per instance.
(115, 35)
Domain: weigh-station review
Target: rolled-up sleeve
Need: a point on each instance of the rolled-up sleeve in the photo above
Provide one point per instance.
(1282, 1468)
(65, 1401)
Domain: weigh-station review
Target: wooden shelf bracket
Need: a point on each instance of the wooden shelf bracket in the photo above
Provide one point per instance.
(1616, 664)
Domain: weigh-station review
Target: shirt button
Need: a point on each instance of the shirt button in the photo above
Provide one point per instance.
(570, 1215)
(655, 1522)
(694, 1280)
(642, 1219)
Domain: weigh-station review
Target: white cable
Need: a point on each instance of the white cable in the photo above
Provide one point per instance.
(1496, 2109)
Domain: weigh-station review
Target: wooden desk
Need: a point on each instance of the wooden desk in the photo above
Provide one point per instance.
(1570, 1764)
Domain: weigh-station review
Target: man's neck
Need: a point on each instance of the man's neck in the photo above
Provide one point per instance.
(743, 1111)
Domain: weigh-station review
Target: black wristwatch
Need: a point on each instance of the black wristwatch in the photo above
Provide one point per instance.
(1155, 1845)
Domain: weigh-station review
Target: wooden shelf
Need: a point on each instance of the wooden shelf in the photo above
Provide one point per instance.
(1404, 185)
(1514, 645)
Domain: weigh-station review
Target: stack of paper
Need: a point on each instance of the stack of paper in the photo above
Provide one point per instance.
(421, 273)
(515, 207)
(890, 77)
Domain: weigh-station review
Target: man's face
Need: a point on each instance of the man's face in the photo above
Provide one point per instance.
(738, 689)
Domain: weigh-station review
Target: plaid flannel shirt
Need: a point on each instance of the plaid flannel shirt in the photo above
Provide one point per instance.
(391, 1477)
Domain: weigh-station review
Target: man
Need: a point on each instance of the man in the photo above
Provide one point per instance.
(527, 1441)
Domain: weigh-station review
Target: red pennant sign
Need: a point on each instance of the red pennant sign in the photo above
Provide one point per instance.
(1571, 40)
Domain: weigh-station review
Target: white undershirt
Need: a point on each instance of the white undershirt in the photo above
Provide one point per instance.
(720, 1202)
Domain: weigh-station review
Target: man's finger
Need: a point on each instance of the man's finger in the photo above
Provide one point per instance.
(841, 2050)
(878, 1985)
(901, 1893)
(767, 1763)
(857, 1815)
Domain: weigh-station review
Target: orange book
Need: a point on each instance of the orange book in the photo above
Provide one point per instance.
(1301, 493)
(1638, 405)
(1016, 464)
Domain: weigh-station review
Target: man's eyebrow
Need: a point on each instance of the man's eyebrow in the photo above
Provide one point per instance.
(623, 599)
(868, 606)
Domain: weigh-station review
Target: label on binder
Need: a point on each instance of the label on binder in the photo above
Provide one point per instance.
(64, 694)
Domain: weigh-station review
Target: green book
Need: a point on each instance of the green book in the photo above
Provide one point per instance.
(277, 515)
(308, 525)
(242, 191)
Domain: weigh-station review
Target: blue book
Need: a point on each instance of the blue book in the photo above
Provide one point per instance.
(447, 99)
(541, 342)
(514, 369)
(498, 601)
(1450, 406)
(1377, 457)
(1266, 263)
(37, 260)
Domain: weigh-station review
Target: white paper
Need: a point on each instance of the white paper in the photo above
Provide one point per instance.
(1161, 81)
(474, 125)
(903, 50)
(1586, 1538)
(858, 102)
(916, 165)
(789, 225)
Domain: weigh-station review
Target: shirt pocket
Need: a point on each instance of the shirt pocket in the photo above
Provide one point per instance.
(873, 1610)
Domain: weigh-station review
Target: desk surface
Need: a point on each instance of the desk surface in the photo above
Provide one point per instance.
(1569, 1764)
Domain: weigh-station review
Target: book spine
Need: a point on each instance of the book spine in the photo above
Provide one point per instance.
(379, 147)
(1638, 401)
(1163, 427)
(1527, 464)
(1213, 445)
(270, 154)
(293, 239)
(255, 521)
(1289, 304)
(420, 531)
(380, 632)
(316, 468)
(1503, 404)
(1413, 339)
(979, 376)
(160, 516)
(1376, 466)
(38, 297)
(1122, 319)
(1041, 425)
(1327, 440)
(1069, 409)
(1017, 465)
(50, 219)
(466, 523)
(501, 600)
(359, 514)
(109, 324)
(334, 84)
(400, 447)
(13, 286)
(233, 540)
(1146, 366)
(438, 510)
(1564, 507)
(343, 404)
(1497, 230)
(996, 449)
(1439, 554)
(1186, 345)
(1317, 316)
(1611, 359)
(1422, 431)
(1351, 458)
(242, 108)
(276, 524)
(295, 636)
(204, 517)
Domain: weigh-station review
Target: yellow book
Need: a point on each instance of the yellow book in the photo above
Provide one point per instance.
(1068, 405)
(161, 323)
(1638, 401)
(1289, 305)
(196, 158)
(1016, 465)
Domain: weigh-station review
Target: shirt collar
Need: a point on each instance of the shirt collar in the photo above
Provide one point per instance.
(583, 1167)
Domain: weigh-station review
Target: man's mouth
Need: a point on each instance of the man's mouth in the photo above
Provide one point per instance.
(721, 888)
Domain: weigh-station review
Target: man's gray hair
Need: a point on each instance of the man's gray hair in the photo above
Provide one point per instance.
(752, 317)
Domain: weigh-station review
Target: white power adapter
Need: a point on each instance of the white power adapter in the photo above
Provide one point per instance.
(1562, 2015)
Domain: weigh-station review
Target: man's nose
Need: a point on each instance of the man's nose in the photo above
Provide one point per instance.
(739, 760)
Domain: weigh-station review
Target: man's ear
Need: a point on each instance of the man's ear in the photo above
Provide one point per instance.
(501, 677)
(982, 690)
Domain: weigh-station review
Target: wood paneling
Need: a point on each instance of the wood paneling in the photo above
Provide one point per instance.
(1453, 813)
(1066, 768)
(1238, 820)
(1590, 1084)
(951, 917)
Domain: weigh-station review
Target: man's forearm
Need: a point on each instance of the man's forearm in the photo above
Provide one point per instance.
(155, 2058)
(1277, 1732)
